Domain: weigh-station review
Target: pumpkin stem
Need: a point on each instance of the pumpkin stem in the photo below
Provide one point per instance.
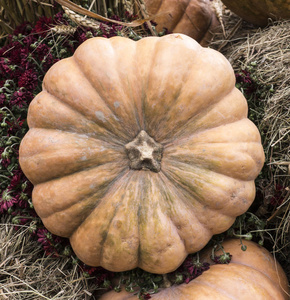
(144, 153)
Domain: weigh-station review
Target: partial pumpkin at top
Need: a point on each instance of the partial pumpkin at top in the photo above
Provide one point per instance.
(140, 151)
(195, 18)
(259, 12)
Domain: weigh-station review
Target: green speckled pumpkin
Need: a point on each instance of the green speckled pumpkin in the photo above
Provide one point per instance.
(140, 151)
(259, 11)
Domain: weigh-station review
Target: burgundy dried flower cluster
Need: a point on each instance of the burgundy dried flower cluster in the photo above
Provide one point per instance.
(50, 242)
(103, 278)
(27, 55)
(224, 258)
(189, 270)
(21, 62)
(29, 52)
(245, 81)
(146, 296)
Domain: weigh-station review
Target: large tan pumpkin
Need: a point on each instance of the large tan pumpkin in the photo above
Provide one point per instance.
(260, 11)
(251, 275)
(195, 18)
(140, 151)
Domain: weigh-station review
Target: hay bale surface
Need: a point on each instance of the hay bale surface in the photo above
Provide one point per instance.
(25, 273)
(265, 54)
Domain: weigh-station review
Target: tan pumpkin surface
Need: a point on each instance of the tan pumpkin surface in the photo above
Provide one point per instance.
(251, 274)
(195, 18)
(98, 101)
(259, 11)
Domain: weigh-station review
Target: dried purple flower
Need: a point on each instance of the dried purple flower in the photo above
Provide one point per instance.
(190, 269)
(28, 80)
(21, 98)
(6, 200)
(146, 296)
(42, 26)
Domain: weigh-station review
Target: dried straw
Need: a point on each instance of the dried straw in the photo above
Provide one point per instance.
(16, 12)
(26, 274)
(268, 49)
(81, 20)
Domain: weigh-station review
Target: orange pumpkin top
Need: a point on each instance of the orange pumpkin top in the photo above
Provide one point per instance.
(140, 151)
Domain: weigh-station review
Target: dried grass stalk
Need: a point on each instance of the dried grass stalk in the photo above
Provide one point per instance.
(268, 50)
(26, 274)
(63, 29)
(78, 9)
(218, 8)
(14, 13)
(81, 20)
(135, 7)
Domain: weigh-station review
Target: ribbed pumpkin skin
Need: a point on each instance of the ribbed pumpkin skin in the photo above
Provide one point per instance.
(252, 274)
(194, 18)
(259, 11)
(96, 102)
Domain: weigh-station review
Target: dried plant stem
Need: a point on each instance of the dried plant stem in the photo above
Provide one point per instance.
(26, 274)
(14, 13)
(217, 6)
(142, 9)
(63, 29)
(81, 20)
(78, 9)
